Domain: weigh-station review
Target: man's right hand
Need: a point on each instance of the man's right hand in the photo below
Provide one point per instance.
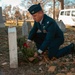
(29, 42)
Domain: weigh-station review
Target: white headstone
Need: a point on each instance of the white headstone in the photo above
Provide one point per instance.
(1, 19)
(61, 25)
(25, 29)
(12, 38)
(29, 26)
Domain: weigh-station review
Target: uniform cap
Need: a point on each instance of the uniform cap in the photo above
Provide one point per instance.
(34, 8)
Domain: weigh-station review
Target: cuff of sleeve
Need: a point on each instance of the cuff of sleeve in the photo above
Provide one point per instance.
(40, 51)
(29, 40)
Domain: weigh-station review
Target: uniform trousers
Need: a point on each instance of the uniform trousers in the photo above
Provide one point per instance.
(54, 47)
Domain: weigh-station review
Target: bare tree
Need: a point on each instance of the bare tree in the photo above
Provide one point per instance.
(61, 4)
(69, 3)
(28, 3)
(6, 11)
(54, 9)
(17, 16)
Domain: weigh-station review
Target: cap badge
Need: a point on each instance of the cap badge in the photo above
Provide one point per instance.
(32, 12)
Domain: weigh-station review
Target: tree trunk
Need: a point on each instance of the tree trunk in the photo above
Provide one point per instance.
(62, 3)
(53, 9)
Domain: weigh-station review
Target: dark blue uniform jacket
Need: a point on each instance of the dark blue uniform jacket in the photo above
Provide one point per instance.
(50, 27)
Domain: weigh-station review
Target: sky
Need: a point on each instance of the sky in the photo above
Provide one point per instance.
(10, 2)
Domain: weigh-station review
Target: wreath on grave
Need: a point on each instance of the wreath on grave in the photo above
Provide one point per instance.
(24, 51)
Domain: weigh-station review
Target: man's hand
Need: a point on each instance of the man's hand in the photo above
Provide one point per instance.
(29, 42)
(35, 54)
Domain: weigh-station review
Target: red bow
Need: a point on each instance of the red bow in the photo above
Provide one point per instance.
(25, 45)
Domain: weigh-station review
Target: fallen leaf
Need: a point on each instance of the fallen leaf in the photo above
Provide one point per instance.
(73, 69)
(41, 62)
(69, 73)
(52, 68)
(67, 59)
(31, 59)
(40, 69)
(73, 73)
(54, 58)
(63, 70)
(0, 54)
(60, 74)
(5, 63)
(46, 59)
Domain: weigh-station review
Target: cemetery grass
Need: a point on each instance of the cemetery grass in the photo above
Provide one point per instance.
(62, 66)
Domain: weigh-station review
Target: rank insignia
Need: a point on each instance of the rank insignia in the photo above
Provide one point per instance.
(44, 31)
(43, 27)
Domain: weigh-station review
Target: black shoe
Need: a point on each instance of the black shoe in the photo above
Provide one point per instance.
(72, 49)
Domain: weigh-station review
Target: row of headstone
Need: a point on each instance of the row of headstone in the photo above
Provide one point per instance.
(13, 41)
(1, 19)
(26, 27)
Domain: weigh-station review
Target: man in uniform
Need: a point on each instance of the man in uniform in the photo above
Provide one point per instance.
(46, 34)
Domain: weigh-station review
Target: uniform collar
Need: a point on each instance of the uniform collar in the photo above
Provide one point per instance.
(41, 21)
